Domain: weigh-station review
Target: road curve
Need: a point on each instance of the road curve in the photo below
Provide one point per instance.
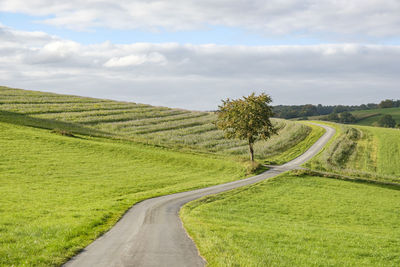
(151, 233)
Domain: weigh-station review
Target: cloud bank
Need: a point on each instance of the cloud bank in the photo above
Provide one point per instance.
(340, 19)
(198, 76)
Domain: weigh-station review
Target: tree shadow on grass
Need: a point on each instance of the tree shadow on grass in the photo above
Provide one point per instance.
(25, 120)
(359, 180)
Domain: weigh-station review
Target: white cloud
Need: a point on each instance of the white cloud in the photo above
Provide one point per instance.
(198, 76)
(11, 37)
(135, 60)
(339, 19)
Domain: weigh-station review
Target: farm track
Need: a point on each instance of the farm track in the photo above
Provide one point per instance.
(151, 233)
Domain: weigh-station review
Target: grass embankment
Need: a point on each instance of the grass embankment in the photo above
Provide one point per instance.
(371, 117)
(58, 193)
(361, 151)
(293, 152)
(168, 127)
(298, 221)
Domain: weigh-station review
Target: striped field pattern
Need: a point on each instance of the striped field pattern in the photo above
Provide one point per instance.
(163, 126)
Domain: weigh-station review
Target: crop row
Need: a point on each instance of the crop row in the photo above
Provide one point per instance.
(157, 125)
(111, 117)
(68, 107)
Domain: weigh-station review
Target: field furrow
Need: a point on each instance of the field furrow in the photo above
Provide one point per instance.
(140, 122)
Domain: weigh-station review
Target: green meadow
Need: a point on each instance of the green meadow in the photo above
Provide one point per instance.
(67, 174)
(301, 220)
(71, 166)
(298, 220)
(59, 193)
(371, 117)
(368, 117)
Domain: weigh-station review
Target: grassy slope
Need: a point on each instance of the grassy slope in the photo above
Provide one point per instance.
(298, 149)
(378, 152)
(298, 221)
(59, 193)
(388, 161)
(307, 221)
(368, 117)
(176, 128)
(372, 116)
(362, 151)
(62, 192)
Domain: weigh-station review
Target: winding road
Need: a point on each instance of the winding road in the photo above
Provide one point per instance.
(151, 232)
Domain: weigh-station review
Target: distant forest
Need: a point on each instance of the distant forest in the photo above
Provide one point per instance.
(302, 111)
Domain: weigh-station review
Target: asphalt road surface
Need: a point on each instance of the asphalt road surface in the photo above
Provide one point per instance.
(151, 233)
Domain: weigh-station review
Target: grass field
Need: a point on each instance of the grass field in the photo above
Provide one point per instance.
(62, 192)
(371, 117)
(59, 193)
(161, 126)
(368, 117)
(301, 220)
(298, 221)
(362, 151)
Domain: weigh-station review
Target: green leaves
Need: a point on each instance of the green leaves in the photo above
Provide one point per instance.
(247, 118)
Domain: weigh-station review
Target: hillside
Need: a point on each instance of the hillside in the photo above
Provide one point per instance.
(362, 151)
(366, 117)
(148, 124)
(371, 117)
(59, 193)
(298, 220)
(70, 169)
(302, 218)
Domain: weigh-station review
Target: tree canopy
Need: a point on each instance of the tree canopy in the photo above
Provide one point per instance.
(288, 112)
(247, 118)
(387, 121)
(344, 117)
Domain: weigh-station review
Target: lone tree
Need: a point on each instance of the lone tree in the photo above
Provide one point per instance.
(247, 118)
(387, 121)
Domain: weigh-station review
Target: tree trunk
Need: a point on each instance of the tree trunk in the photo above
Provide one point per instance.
(251, 150)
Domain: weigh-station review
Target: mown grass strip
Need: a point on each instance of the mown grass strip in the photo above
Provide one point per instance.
(50, 109)
(299, 148)
(361, 151)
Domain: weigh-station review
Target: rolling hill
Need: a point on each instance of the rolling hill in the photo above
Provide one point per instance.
(371, 117)
(59, 192)
(71, 166)
(366, 117)
(174, 128)
(301, 218)
(362, 151)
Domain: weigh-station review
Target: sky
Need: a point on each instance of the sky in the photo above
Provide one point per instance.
(193, 53)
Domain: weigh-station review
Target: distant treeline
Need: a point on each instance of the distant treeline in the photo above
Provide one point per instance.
(289, 112)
